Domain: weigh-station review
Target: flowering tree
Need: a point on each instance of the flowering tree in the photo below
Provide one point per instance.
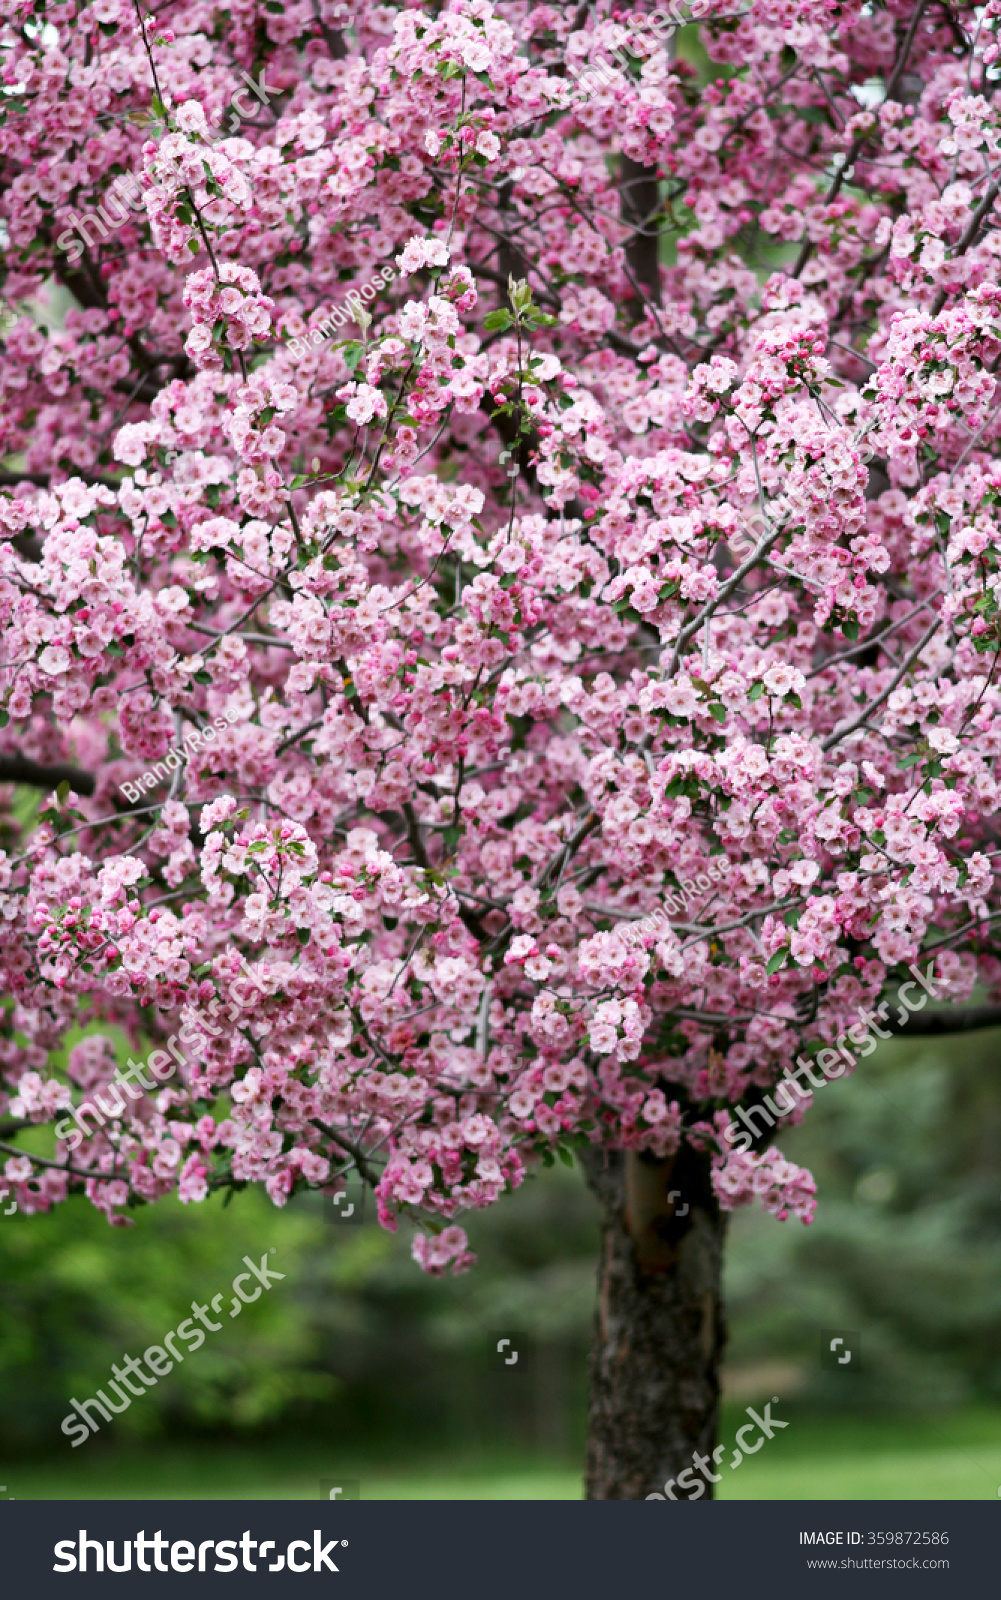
(640, 538)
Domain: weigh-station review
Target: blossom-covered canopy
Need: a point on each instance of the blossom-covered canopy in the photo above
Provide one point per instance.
(638, 541)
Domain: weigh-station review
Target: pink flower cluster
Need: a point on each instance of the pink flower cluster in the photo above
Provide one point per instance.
(235, 300)
(782, 1188)
(459, 593)
(449, 1248)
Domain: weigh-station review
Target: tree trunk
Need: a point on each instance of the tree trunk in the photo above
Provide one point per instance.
(659, 1329)
(639, 198)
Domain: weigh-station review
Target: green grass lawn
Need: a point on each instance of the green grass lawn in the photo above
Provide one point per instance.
(953, 1457)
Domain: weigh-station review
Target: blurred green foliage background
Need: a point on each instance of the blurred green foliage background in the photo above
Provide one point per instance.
(356, 1362)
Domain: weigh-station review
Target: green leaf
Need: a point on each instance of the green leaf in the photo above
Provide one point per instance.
(509, 580)
(303, 935)
(565, 1155)
(776, 961)
(201, 676)
(679, 786)
(718, 711)
(910, 760)
(352, 353)
(850, 628)
(520, 295)
(62, 793)
(4, 718)
(757, 690)
(494, 321)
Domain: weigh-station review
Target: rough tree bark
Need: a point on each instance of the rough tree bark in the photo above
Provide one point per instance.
(639, 201)
(659, 1329)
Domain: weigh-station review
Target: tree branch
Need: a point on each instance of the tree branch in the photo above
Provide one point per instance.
(863, 716)
(806, 249)
(972, 229)
(353, 1150)
(19, 769)
(957, 1019)
(46, 1161)
(639, 198)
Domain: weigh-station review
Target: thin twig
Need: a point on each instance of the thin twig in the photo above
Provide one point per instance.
(863, 716)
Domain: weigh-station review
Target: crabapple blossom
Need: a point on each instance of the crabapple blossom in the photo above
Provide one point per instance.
(446, 614)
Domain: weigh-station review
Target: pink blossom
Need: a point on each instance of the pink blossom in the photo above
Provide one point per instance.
(450, 800)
